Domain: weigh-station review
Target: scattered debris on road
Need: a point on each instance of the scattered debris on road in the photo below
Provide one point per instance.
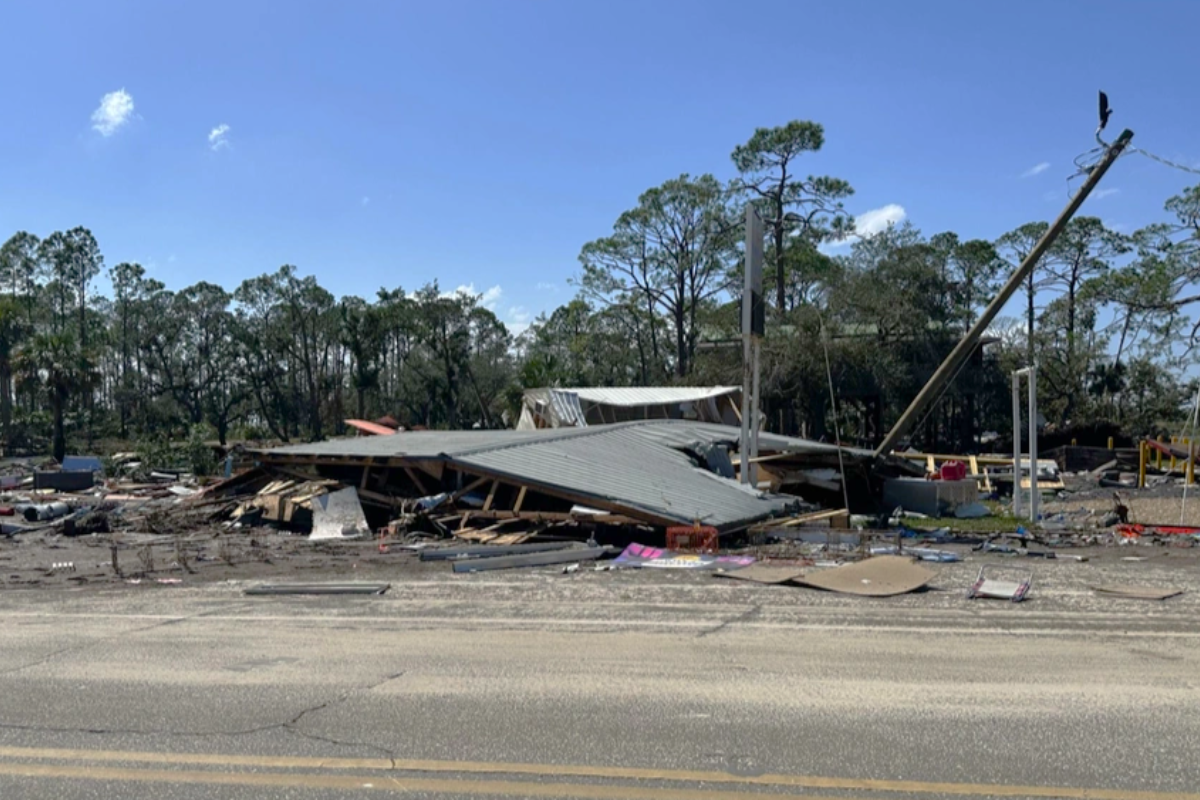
(318, 588)
(1014, 590)
(1137, 592)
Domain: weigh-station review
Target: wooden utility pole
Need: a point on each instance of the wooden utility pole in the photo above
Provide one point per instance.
(949, 367)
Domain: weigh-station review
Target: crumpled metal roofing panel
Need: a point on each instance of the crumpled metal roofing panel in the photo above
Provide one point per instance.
(650, 395)
(620, 465)
(432, 444)
(636, 465)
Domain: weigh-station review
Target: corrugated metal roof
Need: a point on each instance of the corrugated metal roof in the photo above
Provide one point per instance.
(650, 395)
(558, 407)
(636, 465)
(621, 465)
(432, 444)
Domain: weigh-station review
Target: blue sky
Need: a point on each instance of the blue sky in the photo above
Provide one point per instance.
(482, 143)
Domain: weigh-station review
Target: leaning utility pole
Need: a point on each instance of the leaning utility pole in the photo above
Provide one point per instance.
(950, 366)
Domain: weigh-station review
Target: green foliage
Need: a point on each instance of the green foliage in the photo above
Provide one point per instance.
(1110, 318)
(668, 256)
(156, 454)
(198, 451)
(799, 213)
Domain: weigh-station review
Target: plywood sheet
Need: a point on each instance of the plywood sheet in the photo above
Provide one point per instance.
(881, 576)
(763, 573)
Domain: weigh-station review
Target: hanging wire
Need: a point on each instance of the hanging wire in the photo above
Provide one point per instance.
(945, 388)
(1085, 163)
(1161, 160)
(837, 431)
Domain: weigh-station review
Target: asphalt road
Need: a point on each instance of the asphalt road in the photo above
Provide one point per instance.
(640, 685)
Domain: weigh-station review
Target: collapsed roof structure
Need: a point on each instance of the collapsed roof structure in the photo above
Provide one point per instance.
(580, 407)
(652, 472)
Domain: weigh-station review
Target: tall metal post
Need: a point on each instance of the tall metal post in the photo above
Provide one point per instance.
(747, 387)
(1016, 398)
(755, 411)
(933, 388)
(1034, 497)
(753, 327)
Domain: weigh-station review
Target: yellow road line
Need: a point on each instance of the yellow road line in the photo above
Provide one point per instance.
(386, 783)
(581, 771)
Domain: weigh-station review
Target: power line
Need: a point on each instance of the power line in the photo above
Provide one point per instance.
(1164, 161)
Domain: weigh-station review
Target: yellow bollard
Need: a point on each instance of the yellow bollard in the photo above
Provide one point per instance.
(1074, 443)
(1143, 452)
(1110, 443)
(1158, 457)
(1173, 455)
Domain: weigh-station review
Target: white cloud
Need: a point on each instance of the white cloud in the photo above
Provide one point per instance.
(218, 137)
(877, 220)
(1054, 195)
(870, 223)
(1100, 194)
(1036, 169)
(366, 201)
(488, 298)
(544, 286)
(518, 320)
(113, 113)
(171, 259)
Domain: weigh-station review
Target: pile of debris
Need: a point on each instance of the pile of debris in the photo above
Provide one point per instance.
(503, 486)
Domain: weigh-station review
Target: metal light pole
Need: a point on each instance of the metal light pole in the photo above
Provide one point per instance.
(1034, 497)
(1016, 398)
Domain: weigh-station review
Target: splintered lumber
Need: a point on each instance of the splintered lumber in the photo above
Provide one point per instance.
(836, 514)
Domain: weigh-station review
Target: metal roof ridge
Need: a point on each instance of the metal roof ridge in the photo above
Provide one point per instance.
(569, 433)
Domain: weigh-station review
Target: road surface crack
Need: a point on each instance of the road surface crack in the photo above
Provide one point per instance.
(745, 616)
(290, 725)
(79, 648)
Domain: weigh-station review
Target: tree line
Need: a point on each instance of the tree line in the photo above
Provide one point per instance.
(1109, 317)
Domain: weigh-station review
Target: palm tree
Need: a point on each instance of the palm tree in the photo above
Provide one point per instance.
(55, 362)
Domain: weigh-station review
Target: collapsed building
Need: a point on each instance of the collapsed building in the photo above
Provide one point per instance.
(655, 473)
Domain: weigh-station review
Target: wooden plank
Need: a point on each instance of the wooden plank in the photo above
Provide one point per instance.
(987, 482)
(510, 538)
(816, 516)
(412, 476)
(487, 504)
(520, 498)
(434, 469)
(580, 498)
(379, 498)
(467, 489)
(555, 516)
(993, 461)
(366, 474)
